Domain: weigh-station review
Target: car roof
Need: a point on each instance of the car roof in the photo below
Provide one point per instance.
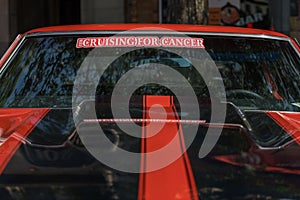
(153, 27)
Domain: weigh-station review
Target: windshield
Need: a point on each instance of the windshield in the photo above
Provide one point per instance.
(151, 115)
(258, 74)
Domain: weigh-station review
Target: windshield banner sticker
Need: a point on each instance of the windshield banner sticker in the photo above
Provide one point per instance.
(140, 41)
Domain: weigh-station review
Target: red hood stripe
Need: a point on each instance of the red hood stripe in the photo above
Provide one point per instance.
(289, 121)
(15, 125)
(176, 180)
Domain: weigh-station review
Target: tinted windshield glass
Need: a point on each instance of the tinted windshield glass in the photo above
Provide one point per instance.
(257, 73)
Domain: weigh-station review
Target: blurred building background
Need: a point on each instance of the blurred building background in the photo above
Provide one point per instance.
(18, 16)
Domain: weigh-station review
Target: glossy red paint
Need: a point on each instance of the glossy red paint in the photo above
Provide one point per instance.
(289, 121)
(15, 125)
(296, 44)
(175, 27)
(10, 50)
(175, 181)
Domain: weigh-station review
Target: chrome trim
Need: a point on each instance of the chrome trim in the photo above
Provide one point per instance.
(297, 41)
(12, 54)
(294, 47)
(126, 32)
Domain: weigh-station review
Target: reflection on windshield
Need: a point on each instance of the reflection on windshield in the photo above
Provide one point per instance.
(257, 73)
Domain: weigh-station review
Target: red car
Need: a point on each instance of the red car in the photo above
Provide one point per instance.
(150, 111)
